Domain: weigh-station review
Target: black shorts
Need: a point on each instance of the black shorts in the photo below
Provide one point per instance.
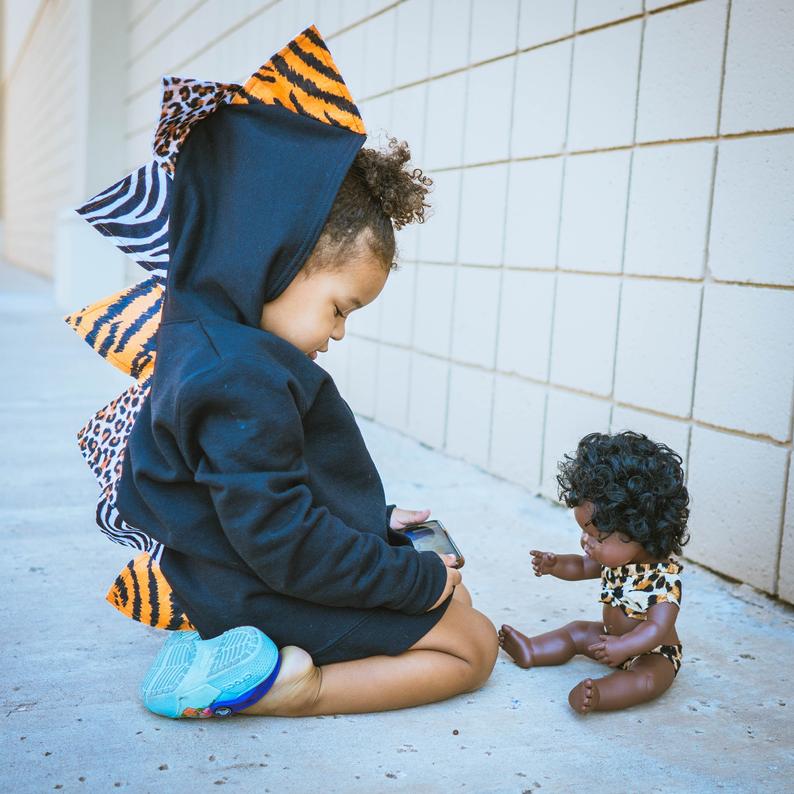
(216, 598)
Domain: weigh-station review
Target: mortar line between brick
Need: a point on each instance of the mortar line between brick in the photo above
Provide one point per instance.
(508, 180)
(135, 22)
(165, 32)
(707, 275)
(457, 238)
(378, 345)
(786, 477)
(614, 274)
(560, 387)
(415, 291)
(365, 19)
(626, 218)
(724, 64)
(521, 50)
(728, 136)
(556, 271)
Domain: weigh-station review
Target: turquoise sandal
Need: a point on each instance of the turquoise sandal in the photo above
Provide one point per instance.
(191, 677)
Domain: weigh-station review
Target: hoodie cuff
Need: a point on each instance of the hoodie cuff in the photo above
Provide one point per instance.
(389, 511)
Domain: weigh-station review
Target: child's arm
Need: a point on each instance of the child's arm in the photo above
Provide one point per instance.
(648, 634)
(241, 433)
(572, 567)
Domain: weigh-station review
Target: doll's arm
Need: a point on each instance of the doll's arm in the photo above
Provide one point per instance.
(613, 650)
(571, 567)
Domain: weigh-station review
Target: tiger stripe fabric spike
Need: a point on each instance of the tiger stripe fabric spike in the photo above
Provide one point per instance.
(142, 593)
(122, 328)
(134, 214)
(303, 78)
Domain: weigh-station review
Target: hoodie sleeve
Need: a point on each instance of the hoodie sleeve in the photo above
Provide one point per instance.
(240, 428)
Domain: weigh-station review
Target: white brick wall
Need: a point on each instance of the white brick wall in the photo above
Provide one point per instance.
(610, 240)
(669, 206)
(681, 71)
(752, 236)
(655, 365)
(594, 211)
(744, 371)
(737, 487)
(759, 90)
(39, 170)
(600, 255)
(604, 87)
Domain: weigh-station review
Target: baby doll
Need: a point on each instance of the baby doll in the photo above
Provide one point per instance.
(629, 498)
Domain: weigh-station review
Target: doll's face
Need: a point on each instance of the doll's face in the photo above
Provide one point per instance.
(609, 550)
(313, 309)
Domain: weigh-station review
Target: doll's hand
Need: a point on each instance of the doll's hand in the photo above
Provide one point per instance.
(543, 562)
(401, 518)
(608, 650)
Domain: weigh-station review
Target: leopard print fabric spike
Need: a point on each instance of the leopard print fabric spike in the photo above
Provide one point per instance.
(185, 102)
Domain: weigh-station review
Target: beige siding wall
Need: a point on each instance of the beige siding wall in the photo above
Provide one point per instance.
(39, 167)
(612, 231)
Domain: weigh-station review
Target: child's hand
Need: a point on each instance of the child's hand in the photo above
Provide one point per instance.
(543, 562)
(401, 518)
(608, 650)
(454, 578)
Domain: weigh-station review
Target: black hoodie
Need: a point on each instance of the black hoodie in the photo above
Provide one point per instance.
(245, 456)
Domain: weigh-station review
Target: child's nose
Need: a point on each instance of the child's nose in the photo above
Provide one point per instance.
(339, 331)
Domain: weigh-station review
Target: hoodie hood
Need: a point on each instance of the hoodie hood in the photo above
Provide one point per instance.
(251, 193)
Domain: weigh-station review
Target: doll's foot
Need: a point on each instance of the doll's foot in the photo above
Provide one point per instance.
(584, 697)
(516, 645)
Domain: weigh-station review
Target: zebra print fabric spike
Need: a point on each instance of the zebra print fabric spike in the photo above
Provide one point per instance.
(134, 214)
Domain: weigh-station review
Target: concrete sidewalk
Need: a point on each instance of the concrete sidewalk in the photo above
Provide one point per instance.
(72, 720)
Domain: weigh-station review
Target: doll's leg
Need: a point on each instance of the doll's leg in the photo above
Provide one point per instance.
(648, 677)
(553, 647)
(455, 656)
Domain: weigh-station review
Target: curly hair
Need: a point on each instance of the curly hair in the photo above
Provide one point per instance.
(636, 487)
(378, 195)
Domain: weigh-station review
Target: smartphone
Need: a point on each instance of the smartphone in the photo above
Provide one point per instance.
(433, 536)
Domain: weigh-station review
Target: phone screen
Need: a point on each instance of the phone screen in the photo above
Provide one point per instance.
(429, 538)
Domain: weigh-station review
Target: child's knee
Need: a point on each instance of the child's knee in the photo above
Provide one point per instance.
(484, 648)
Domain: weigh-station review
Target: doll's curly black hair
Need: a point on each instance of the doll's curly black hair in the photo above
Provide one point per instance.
(636, 487)
(378, 195)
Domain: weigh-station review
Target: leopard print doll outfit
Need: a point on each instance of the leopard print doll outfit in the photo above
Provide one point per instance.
(635, 589)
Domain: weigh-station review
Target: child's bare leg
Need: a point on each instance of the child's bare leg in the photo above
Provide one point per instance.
(462, 594)
(553, 647)
(455, 656)
(648, 677)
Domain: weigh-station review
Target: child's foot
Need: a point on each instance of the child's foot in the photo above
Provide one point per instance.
(584, 697)
(191, 677)
(296, 689)
(517, 645)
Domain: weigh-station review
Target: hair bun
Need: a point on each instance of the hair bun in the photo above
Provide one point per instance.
(401, 193)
